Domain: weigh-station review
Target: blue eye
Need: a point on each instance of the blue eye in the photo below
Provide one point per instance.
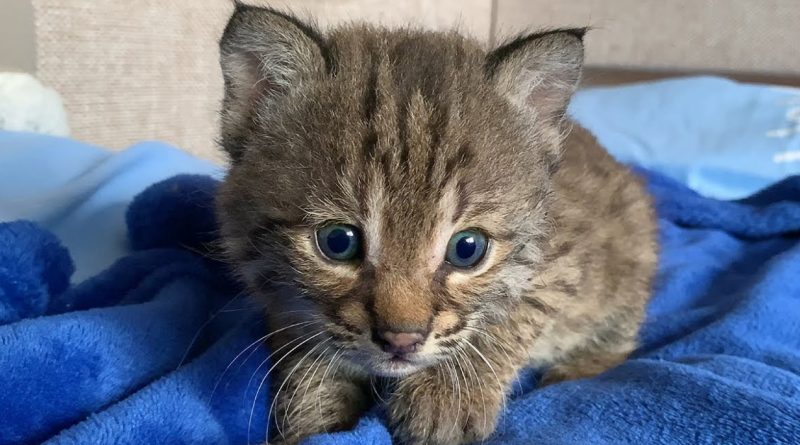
(339, 242)
(466, 248)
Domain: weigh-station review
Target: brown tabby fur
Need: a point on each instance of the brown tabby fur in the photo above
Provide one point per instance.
(412, 136)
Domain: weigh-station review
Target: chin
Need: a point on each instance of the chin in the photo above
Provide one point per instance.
(383, 365)
(395, 368)
(392, 368)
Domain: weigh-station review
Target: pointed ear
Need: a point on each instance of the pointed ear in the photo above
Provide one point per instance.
(539, 72)
(265, 55)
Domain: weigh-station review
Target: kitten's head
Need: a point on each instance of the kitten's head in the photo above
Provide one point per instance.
(390, 185)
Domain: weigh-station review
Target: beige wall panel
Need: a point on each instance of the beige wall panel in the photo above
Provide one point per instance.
(17, 48)
(147, 69)
(742, 35)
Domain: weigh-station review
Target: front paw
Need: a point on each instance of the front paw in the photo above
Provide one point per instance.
(336, 406)
(444, 407)
(312, 397)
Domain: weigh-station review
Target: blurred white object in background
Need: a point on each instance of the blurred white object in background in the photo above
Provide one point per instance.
(27, 105)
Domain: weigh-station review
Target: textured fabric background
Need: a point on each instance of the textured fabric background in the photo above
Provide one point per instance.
(147, 69)
(16, 25)
(134, 70)
(730, 35)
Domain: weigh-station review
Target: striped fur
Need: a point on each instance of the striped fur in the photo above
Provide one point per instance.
(412, 136)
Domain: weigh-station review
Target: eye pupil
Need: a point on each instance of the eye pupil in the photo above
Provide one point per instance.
(339, 240)
(465, 247)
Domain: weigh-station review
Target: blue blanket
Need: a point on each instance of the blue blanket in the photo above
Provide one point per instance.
(158, 349)
(722, 138)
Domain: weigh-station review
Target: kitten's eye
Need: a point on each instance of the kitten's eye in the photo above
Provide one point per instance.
(466, 248)
(339, 242)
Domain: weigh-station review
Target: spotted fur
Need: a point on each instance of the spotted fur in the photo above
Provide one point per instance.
(411, 136)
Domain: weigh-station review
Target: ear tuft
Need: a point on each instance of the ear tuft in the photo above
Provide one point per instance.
(265, 54)
(539, 72)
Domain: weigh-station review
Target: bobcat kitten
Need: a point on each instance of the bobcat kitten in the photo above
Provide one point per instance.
(411, 207)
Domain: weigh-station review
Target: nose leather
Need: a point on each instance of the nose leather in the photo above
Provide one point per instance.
(401, 343)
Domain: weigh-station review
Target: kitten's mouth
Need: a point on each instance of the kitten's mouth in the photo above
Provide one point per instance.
(383, 364)
(396, 367)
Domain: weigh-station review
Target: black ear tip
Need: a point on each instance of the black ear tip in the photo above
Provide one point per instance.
(577, 32)
(239, 10)
(238, 6)
(244, 9)
(563, 35)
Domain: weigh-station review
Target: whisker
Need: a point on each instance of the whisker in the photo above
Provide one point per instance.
(336, 356)
(300, 324)
(251, 308)
(318, 364)
(479, 381)
(261, 339)
(260, 385)
(375, 391)
(276, 351)
(203, 326)
(207, 254)
(291, 399)
(494, 338)
(456, 388)
(497, 378)
(473, 374)
(495, 341)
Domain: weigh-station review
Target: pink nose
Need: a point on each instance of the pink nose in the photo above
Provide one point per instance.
(401, 343)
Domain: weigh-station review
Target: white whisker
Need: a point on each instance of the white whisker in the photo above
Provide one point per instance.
(456, 388)
(203, 326)
(276, 396)
(502, 388)
(260, 385)
(318, 364)
(336, 356)
(291, 399)
(251, 345)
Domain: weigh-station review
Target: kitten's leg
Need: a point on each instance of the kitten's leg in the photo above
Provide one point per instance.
(456, 401)
(314, 394)
(590, 360)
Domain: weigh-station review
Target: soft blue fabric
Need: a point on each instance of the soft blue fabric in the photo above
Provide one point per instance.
(80, 192)
(722, 138)
(148, 351)
(133, 354)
